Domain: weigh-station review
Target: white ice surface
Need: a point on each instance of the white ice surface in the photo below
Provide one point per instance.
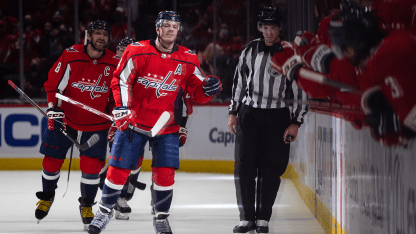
(202, 204)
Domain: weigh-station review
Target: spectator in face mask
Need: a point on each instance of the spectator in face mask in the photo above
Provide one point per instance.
(226, 41)
(119, 29)
(65, 36)
(35, 79)
(224, 38)
(31, 40)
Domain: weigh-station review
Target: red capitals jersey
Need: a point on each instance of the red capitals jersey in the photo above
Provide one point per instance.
(323, 34)
(393, 68)
(340, 70)
(396, 14)
(187, 105)
(85, 80)
(343, 71)
(150, 82)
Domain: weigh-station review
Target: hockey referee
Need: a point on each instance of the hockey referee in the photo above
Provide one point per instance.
(269, 116)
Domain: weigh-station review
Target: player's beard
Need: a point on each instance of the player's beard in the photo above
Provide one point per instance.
(98, 48)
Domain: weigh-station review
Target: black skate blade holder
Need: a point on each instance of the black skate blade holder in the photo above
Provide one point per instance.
(138, 185)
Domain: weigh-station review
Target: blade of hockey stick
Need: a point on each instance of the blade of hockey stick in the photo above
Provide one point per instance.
(138, 184)
(93, 139)
(322, 79)
(83, 147)
(163, 119)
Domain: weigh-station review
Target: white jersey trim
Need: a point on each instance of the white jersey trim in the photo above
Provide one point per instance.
(162, 188)
(113, 186)
(89, 181)
(124, 88)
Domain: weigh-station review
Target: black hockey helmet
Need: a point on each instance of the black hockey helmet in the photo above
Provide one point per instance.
(168, 15)
(269, 16)
(354, 26)
(99, 24)
(125, 42)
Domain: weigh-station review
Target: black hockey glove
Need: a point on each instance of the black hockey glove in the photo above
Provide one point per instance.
(211, 86)
(380, 117)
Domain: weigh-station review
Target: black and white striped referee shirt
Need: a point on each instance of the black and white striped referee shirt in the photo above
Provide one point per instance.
(258, 85)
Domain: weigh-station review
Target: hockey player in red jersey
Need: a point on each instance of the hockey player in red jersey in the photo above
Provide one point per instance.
(315, 53)
(395, 15)
(149, 80)
(82, 73)
(388, 62)
(122, 209)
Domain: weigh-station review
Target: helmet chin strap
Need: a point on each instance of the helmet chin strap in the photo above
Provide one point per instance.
(274, 40)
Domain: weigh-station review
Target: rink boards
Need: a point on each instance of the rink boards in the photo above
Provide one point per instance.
(350, 182)
(209, 147)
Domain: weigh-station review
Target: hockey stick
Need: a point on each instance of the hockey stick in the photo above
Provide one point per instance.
(322, 79)
(94, 139)
(138, 184)
(159, 123)
(318, 104)
(69, 170)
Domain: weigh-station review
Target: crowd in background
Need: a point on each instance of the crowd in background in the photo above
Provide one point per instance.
(48, 27)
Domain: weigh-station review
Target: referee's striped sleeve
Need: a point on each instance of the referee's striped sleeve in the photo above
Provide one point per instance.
(300, 108)
(239, 84)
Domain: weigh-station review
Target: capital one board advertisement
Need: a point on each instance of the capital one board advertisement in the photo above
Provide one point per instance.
(22, 128)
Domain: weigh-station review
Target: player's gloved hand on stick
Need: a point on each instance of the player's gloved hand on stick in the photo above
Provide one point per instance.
(302, 39)
(111, 133)
(183, 134)
(122, 117)
(314, 54)
(54, 117)
(211, 86)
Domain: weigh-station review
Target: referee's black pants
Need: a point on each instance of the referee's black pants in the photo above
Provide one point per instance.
(259, 152)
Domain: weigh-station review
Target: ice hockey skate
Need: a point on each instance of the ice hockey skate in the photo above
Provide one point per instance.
(44, 205)
(122, 209)
(245, 227)
(85, 209)
(161, 225)
(100, 221)
(262, 227)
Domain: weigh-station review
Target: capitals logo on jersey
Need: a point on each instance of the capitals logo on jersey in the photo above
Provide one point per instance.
(87, 86)
(149, 82)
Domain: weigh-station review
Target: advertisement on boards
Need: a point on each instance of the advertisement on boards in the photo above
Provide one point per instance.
(21, 131)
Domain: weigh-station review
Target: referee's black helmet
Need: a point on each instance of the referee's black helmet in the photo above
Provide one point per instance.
(269, 16)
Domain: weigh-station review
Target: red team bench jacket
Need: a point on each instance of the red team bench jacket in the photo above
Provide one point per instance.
(85, 80)
(150, 82)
